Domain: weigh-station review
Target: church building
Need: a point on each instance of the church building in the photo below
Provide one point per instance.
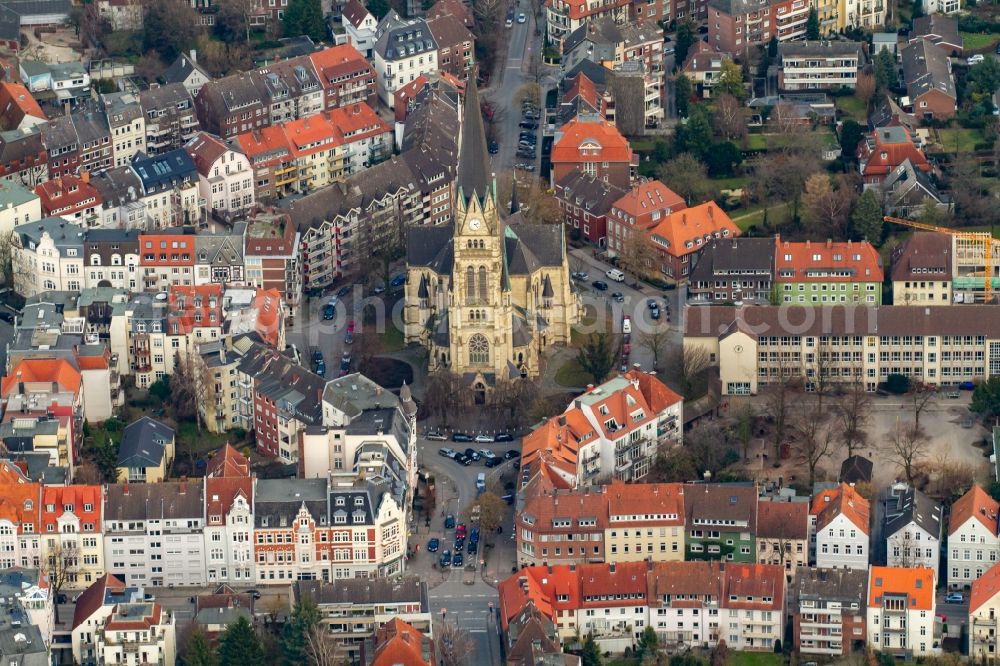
(486, 296)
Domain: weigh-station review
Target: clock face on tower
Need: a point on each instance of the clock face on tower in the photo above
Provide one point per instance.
(474, 224)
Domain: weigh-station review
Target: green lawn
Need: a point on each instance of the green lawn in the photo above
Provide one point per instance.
(744, 218)
(571, 375)
(974, 41)
(734, 183)
(853, 107)
(755, 659)
(956, 139)
(190, 440)
(392, 339)
(769, 141)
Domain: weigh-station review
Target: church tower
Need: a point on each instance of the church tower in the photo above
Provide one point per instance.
(480, 308)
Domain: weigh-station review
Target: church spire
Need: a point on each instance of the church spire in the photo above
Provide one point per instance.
(514, 205)
(473, 174)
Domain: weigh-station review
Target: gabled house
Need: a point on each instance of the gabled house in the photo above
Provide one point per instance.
(783, 535)
(901, 612)
(984, 613)
(18, 109)
(91, 610)
(404, 49)
(731, 270)
(398, 642)
(840, 528)
(186, 71)
(346, 75)
(456, 45)
(930, 84)
(225, 177)
(146, 451)
(359, 24)
(585, 201)
(973, 544)
(913, 529)
(595, 146)
(681, 235)
(908, 191)
(638, 210)
(942, 31)
(703, 65)
(72, 198)
(721, 522)
(884, 150)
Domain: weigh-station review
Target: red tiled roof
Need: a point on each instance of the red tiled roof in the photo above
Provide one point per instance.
(984, 588)
(579, 9)
(357, 121)
(29, 370)
(647, 196)
(585, 89)
(974, 504)
(337, 60)
(67, 194)
(19, 498)
(204, 150)
(16, 103)
(859, 260)
(221, 492)
(886, 156)
(398, 643)
(76, 496)
(661, 499)
(93, 598)
(557, 441)
(228, 462)
(264, 144)
(590, 141)
(268, 305)
(688, 230)
(845, 500)
(916, 582)
(658, 395)
(187, 314)
(311, 134)
(169, 246)
(627, 579)
(696, 580)
(782, 520)
(752, 584)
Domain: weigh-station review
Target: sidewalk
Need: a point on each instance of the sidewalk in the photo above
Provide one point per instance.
(501, 558)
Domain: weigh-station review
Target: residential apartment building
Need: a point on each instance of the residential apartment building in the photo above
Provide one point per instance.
(272, 257)
(229, 519)
(721, 520)
(92, 608)
(930, 84)
(234, 104)
(135, 634)
(275, 170)
(146, 451)
(225, 177)
(638, 210)
(585, 201)
(819, 65)
(18, 205)
(71, 542)
(612, 431)
(354, 609)
(127, 122)
(816, 273)
(404, 49)
(831, 617)
(783, 535)
(928, 344)
(595, 147)
(973, 544)
(346, 75)
(840, 528)
(72, 198)
(737, 26)
(681, 235)
(563, 17)
(94, 136)
(360, 25)
(23, 157)
(922, 270)
(293, 89)
(984, 608)
(456, 44)
(901, 611)
(734, 270)
(170, 190)
(170, 117)
(111, 256)
(166, 260)
(913, 529)
(154, 533)
(20, 519)
(47, 255)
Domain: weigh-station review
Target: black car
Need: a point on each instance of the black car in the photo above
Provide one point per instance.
(600, 285)
(460, 458)
(503, 437)
(343, 291)
(471, 453)
(466, 460)
(492, 462)
(460, 437)
(510, 455)
(494, 148)
(6, 316)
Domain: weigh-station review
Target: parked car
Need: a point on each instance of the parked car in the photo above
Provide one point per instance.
(472, 453)
(976, 58)
(503, 437)
(599, 285)
(457, 560)
(954, 598)
(494, 148)
(655, 314)
(473, 547)
(582, 275)
(459, 545)
(492, 462)
(484, 439)
(445, 559)
(432, 545)
(7, 317)
(398, 280)
(953, 393)
(447, 453)
(652, 304)
(521, 18)
(461, 459)
(489, 455)
(510, 455)
(329, 310)
(474, 534)
(461, 530)
(449, 521)
(618, 296)
(460, 437)
(320, 368)
(967, 386)
(343, 291)
(349, 337)
(436, 437)
(350, 326)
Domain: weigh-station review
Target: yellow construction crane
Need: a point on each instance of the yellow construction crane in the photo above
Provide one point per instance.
(975, 243)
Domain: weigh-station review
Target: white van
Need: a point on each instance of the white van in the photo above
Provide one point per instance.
(616, 275)
(481, 481)
(626, 325)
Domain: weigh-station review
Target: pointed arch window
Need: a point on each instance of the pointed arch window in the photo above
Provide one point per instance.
(470, 284)
(479, 350)
(482, 283)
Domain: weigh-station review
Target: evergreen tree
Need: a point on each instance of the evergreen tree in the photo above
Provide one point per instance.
(304, 617)
(918, 8)
(850, 136)
(695, 136)
(596, 357)
(686, 38)
(730, 81)
(885, 70)
(866, 220)
(304, 17)
(649, 644)
(198, 653)
(772, 48)
(240, 646)
(682, 95)
(591, 655)
(812, 24)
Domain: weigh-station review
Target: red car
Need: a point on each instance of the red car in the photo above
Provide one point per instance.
(460, 531)
(350, 326)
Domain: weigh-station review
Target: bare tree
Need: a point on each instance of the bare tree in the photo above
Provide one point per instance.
(815, 442)
(693, 363)
(656, 339)
(86, 473)
(905, 446)
(530, 92)
(188, 389)
(454, 645)
(778, 400)
(637, 254)
(7, 259)
(686, 175)
(865, 88)
(239, 12)
(536, 203)
(920, 395)
(853, 411)
(60, 565)
(746, 419)
(827, 204)
(904, 550)
(443, 394)
(729, 119)
(321, 648)
(820, 374)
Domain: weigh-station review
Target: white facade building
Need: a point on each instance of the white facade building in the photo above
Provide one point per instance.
(901, 612)
(47, 256)
(840, 529)
(913, 529)
(404, 49)
(226, 179)
(973, 544)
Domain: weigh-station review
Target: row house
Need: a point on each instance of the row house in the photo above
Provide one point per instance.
(819, 65)
(62, 145)
(94, 138)
(901, 612)
(318, 155)
(225, 177)
(72, 198)
(47, 255)
(18, 109)
(913, 529)
(234, 104)
(595, 147)
(166, 259)
(455, 42)
(153, 533)
(825, 273)
(123, 203)
(346, 75)
(585, 201)
(973, 544)
(169, 117)
(721, 521)
(612, 430)
(600, 523)
(272, 257)
(404, 49)
(640, 209)
(984, 609)
(306, 529)
(922, 269)
(563, 17)
(686, 603)
(926, 343)
(275, 170)
(732, 271)
(23, 157)
(20, 519)
(229, 522)
(170, 191)
(186, 71)
(293, 89)
(366, 138)
(127, 122)
(354, 610)
(831, 617)
(839, 521)
(679, 237)
(219, 257)
(782, 533)
(71, 533)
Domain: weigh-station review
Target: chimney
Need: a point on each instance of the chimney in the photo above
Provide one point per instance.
(85, 176)
(125, 489)
(193, 55)
(829, 243)
(182, 488)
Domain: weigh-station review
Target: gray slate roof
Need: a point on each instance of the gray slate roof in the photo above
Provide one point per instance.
(277, 501)
(939, 29)
(397, 38)
(155, 501)
(723, 256)
(821, 48)
(144, 443)
(844, 585)
(431, 247)
(365, 591)
(64, 234)
(181, 69)
(473, 158)
(926, 68)
(913, 506)
(162, 171)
